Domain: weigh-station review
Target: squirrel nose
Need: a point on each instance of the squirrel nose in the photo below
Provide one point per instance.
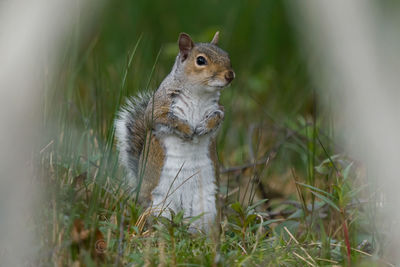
(229, 75)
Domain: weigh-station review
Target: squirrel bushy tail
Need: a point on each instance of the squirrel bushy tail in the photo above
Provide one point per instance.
(130, 130)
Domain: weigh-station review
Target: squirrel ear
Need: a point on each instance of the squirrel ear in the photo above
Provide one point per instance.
(185, 45)
(215, 38)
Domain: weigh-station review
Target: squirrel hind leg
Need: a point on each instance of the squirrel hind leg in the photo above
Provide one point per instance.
(130, 131)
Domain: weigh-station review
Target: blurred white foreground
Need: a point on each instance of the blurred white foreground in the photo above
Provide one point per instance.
(31, 32)
(353, 50)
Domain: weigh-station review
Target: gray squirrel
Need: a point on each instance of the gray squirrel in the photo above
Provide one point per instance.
(167, 137)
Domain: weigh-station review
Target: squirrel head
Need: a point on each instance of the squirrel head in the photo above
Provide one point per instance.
(204, 65)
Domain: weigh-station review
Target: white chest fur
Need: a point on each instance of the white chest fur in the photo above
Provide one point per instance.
(187, 179)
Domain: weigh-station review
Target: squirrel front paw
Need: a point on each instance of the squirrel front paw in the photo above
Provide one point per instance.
(181, 127)
(210, 123)
(185, 131)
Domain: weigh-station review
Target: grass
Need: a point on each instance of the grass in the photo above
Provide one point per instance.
(290, 195)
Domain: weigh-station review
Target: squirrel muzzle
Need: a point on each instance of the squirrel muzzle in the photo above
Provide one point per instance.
(229, 76)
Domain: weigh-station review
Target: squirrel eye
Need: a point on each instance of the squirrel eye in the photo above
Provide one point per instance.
(201, 61)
